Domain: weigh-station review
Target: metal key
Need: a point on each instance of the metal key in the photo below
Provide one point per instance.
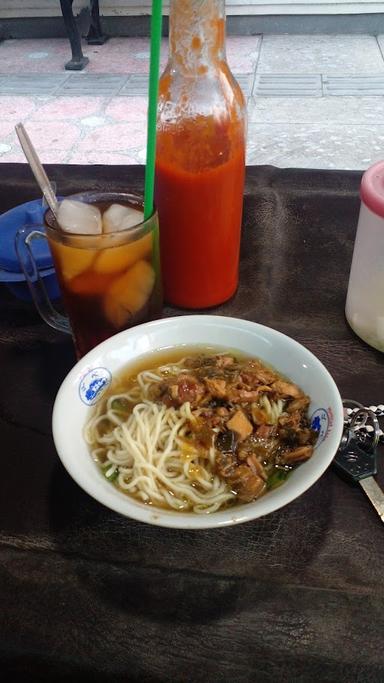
(356, 458)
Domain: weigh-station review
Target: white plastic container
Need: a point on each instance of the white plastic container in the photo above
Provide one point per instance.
(365, 299)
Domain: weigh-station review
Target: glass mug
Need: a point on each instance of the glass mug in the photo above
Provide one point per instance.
(109, 281)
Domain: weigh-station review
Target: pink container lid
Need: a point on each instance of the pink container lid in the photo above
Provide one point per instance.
(372, 188)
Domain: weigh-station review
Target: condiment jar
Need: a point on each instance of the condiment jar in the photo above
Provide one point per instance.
(365, 299)
(200, 163)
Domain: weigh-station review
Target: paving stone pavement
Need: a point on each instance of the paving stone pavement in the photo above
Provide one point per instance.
(313, 101)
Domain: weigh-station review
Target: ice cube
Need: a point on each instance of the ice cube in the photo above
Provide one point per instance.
(129, 293)
(118, 217)
(79, 218)
(71, 261)
(118, 258)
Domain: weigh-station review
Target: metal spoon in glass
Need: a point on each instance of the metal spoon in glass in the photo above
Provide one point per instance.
(25, 237)
(36, 167)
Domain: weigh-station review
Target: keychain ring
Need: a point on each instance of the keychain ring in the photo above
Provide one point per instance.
(360, 418)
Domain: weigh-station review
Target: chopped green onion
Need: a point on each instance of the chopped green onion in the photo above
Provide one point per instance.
(277, 478)
(111, 473)
(120, 405)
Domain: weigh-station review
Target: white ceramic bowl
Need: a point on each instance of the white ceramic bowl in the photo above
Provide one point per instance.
(88, 380)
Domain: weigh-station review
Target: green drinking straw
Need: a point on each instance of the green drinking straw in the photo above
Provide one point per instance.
(156, 21)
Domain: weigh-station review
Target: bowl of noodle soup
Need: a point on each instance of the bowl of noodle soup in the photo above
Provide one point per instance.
(197, 421)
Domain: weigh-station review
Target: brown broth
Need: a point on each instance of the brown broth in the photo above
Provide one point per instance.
(127, 378)
(172, 354)
(152, 361)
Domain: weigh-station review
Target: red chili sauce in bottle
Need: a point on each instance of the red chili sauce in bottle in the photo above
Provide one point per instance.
(200, 164)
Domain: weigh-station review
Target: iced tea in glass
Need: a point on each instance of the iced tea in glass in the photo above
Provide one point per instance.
(108, 271)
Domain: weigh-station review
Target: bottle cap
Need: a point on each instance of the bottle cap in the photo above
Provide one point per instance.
(372, 188)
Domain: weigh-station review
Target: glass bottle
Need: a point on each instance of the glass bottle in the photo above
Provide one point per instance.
(200, 161)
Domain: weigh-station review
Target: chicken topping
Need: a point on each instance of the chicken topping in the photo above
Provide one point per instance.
(240, 424)
(246, 483)
(298, 454)
(216, 387)
(224, 361)
(287, 389)
(182, 390)
(256, 441)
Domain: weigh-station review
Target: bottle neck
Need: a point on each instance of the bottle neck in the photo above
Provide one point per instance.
(196, 35)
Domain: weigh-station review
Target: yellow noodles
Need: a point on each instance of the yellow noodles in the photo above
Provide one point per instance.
(143, 446)
(150, 452)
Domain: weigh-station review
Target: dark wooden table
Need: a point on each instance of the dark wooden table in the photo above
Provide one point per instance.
(87, 595)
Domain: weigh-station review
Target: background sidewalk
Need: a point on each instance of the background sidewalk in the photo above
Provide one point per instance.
(313, 101)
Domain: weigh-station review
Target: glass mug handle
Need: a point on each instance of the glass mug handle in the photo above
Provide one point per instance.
(23, 244)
